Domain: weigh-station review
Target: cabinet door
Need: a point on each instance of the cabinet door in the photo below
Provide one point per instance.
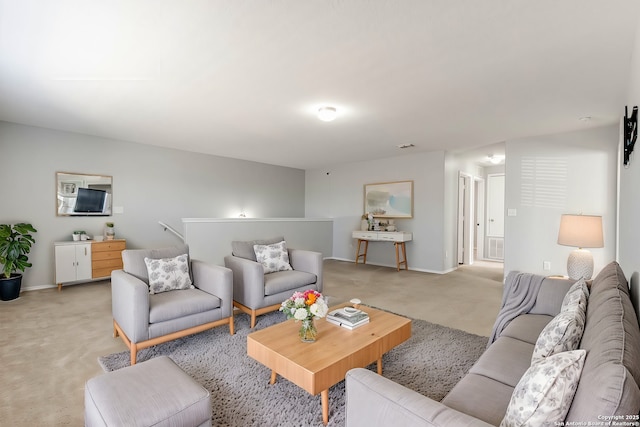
(65, 263)
(83, 262)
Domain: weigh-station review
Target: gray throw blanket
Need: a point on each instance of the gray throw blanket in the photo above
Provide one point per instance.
(520, 293)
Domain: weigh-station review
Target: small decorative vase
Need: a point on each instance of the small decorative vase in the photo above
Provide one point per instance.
(308, 331)
(364, 225)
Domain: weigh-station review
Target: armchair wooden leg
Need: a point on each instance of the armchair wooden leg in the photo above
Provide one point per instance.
(115, 330)
(253, 318)
(134, 353)
(231, 325)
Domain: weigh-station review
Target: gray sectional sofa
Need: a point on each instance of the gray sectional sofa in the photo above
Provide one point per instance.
(608, 383)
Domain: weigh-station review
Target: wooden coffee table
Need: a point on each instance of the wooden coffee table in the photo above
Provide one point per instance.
(317, 366)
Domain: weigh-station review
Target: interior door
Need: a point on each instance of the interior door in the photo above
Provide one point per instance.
(495, 205)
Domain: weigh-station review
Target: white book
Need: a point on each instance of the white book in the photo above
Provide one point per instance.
(350, 319)
(345, 325)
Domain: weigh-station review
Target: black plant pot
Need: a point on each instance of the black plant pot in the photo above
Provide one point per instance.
(10, 288)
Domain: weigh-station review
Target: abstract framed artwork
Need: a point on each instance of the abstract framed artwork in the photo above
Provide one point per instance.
(389, 199)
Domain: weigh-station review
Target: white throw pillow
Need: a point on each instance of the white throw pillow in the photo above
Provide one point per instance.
(577, 295)
(273, 257)
(544, 394)
(563, 333)
(168, 274)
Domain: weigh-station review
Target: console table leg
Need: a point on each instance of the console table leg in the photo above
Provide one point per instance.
(400, 247)
(324, 395)
(364, 254)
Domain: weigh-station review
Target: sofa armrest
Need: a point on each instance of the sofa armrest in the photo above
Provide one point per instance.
(374, 400)
(308, 261)
(215, 280)
(248, 280)
(130, 305)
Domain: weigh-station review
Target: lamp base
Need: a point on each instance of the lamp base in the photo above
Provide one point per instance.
(580, 264)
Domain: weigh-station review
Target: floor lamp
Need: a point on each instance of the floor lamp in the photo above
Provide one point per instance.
(581, 231)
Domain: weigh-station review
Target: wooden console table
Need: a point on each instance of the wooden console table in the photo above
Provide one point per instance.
(397, 237)
(87, 260)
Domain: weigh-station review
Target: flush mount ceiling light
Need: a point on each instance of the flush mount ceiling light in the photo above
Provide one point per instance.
(495, 158)
(327, 114)
(402, 146)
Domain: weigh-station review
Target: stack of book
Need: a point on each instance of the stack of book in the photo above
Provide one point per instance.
(348, 317)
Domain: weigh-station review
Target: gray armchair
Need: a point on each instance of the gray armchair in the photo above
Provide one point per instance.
(255, 292)
(143, 319)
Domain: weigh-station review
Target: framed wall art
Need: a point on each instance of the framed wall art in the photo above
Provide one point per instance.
(389, 199)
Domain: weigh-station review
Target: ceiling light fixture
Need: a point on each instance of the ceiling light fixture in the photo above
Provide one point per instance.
(401, 146)
(327, 114)
(495, 158)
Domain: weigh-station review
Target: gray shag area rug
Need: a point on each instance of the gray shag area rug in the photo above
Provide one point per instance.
(431, 362)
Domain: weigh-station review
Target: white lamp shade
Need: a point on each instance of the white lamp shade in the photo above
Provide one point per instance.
(581, 231)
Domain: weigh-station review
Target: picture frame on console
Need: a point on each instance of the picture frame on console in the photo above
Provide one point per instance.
(389, 199)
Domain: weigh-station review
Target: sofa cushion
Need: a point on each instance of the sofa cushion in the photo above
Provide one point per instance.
(563, 333)
(273, 257)
(609, 383)
(133, 259)
(506, 360)
(464, 397)
(545, 392)
(168, 274)
(611, 332)
(244, 249)
(177, 304)
(282, 281)
(527, 327)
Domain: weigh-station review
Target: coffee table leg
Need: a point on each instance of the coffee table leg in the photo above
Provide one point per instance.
(273, 377)
(324, 394)
(380, 366)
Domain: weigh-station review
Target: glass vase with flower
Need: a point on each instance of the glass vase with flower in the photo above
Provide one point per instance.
(305, 307)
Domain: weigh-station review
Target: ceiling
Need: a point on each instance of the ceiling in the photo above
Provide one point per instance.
(244, 79)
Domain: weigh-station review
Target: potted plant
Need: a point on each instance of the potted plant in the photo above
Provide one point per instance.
(15, 244)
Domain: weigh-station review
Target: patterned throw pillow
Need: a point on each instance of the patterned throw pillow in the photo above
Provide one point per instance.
(563, 333)
(273, 257)
(577, 295)
(168, 274)
(544, 394)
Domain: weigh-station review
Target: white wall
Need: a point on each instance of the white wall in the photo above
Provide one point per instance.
(313, 234)
(629, 208)
(338, 192)
(152, 184)
(588, 161)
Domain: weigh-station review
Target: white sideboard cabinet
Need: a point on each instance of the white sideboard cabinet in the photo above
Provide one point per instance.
(73, 262)
(85, 261)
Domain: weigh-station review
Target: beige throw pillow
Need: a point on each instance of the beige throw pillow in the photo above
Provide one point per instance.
(168, 274)
(563, 333)
(545, 392)
(273, 257)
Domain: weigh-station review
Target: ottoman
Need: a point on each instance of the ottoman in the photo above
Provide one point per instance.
(152, 393)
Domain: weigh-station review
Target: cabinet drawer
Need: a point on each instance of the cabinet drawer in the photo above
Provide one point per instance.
(364, 235)
(102, 272)
(107, 263)
(98, 256)
(115, 245)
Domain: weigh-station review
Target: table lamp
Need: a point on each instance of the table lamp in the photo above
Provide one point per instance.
(581, 231)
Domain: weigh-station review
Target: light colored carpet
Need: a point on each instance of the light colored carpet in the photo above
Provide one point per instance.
(431, 362)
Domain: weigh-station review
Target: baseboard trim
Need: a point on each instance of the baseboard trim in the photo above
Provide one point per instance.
(421, 270)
